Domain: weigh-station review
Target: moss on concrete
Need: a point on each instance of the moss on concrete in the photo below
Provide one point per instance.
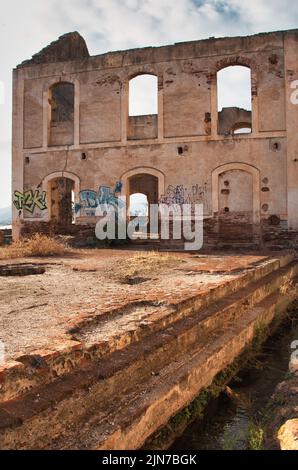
(165, 436)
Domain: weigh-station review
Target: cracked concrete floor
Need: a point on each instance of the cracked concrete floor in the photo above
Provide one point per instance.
(36, 311)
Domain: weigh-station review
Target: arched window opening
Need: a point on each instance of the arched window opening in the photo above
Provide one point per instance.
(143, 95)
(61, 102)
(142, 192)
(243, 128)
(143, 107)
(234, 100)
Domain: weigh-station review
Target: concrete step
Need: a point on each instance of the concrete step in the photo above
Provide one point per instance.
(103, 335)
(49, 411)
(151, 320)
(132, 418)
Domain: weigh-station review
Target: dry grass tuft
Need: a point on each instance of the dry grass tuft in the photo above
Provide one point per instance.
(143, 264)
(39, 245)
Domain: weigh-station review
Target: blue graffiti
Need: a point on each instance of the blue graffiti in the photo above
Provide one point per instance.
(118, 187)
(90, 200)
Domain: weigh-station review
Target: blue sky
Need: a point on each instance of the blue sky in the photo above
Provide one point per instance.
(27, 26)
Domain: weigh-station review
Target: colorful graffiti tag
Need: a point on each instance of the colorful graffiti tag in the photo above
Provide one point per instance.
(90, 200)
(180, 194)
(30, 200)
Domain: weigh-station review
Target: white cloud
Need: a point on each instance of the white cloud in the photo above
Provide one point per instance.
(264, 15)
(26, 27)
(2, 92)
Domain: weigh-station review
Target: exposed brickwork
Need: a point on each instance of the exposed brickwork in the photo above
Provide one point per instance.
(21, 270)
(70, 46)
(133, 378)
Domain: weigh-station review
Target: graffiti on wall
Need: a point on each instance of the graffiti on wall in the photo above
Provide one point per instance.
(90, 200)
(181, 194)
(30, 200)
(118, 187)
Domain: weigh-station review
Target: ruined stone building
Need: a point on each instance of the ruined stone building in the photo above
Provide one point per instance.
(75, 144)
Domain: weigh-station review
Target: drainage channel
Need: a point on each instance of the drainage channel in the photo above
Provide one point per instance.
(236, 419)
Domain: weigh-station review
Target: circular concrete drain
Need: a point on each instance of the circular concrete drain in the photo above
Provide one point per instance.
(21, 269)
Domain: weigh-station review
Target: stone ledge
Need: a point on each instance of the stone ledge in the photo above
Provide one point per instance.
(42, 366)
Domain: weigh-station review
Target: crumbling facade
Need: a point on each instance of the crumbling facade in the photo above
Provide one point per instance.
(75, 145)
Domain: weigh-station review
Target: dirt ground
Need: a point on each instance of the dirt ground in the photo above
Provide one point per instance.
(37, 311)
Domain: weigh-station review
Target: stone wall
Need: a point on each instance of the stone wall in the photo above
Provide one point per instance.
(182, 145)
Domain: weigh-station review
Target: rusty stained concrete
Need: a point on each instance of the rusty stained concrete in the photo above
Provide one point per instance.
(37, 311)
(122, 373)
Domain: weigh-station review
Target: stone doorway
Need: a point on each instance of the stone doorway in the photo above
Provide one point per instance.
(235, 206)
(62, 203)
(147, 186)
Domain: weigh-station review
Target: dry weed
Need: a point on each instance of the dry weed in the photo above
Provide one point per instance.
(39, 245)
